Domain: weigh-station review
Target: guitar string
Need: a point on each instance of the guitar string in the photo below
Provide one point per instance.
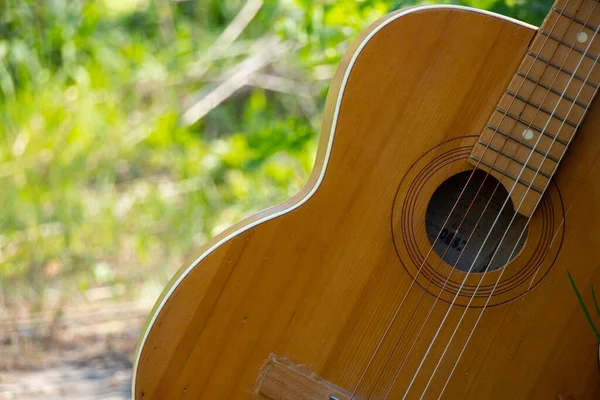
(422, 294)
(547, 184)
(416, 336)
(512, 220)
(554, 236)
(596, 158)
(458, 229)
(557, 231)
(521, 235)
(388, 328)
(581, 186)
(446, 223)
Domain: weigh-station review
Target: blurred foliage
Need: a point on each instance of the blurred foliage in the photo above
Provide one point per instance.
(101, 184)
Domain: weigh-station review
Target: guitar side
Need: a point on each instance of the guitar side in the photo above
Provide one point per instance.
(316, 279)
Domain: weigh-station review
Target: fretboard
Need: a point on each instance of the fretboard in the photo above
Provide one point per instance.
(537, 117)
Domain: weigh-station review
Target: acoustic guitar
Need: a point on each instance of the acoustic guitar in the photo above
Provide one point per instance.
(444, 246)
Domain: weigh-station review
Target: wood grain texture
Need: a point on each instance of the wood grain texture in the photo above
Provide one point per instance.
(547, 97)
(285, 382)
(319, 284)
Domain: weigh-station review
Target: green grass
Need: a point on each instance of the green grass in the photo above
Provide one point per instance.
(105, 180)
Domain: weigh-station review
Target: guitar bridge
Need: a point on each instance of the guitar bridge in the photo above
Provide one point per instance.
(281, 380)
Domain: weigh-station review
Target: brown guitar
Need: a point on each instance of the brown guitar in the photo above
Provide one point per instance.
(435, 252)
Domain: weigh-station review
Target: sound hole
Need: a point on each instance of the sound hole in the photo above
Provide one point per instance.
(453, 245)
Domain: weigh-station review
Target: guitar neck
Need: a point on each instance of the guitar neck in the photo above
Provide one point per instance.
(538, 115)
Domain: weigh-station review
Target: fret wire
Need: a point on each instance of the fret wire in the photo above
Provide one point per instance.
(527, 100)
(473, 296)
(561, 69)
(569, 45)
(457, 360)
(531, 126)
(595, 34)
(585, 80)
(540, 107)
(437, 332)
(508, 174)
(518, 161)
(546, 111)
(551, 89)
(575, 19)
(530, 147)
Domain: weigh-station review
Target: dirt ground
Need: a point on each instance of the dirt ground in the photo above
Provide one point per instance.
(86, 353)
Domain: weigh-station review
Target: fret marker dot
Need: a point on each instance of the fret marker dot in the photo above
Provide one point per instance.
(528, 134)
(582, 37)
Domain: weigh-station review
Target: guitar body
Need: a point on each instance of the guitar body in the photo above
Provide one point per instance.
(315, 281)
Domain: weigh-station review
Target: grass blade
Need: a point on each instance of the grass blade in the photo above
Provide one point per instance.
(595, 301)
(585, 310)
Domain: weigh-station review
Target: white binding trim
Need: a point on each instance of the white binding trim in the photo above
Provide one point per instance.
(323, 168)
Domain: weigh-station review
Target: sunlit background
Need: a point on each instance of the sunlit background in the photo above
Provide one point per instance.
(131, 131)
